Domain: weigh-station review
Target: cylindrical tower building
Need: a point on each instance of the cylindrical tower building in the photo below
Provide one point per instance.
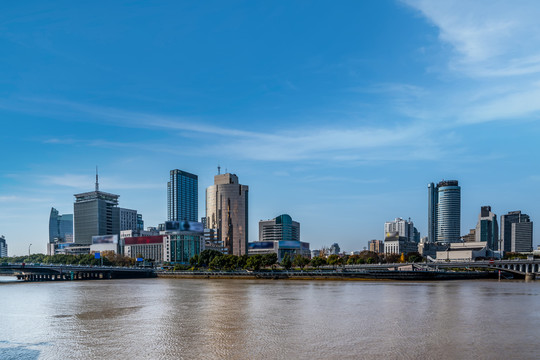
(448, 211)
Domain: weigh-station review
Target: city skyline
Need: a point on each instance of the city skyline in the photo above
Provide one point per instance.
(333, 114)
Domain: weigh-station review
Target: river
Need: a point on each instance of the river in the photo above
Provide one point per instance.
(269, 319)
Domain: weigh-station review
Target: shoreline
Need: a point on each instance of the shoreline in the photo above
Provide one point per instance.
(337, 276)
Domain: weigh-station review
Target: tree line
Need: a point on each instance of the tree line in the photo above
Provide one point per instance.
(215, 260)
(109, 259)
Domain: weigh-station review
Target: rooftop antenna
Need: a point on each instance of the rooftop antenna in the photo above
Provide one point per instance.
(97, 181)
(218, 169)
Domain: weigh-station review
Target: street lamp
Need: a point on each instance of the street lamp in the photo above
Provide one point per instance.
(29, 249)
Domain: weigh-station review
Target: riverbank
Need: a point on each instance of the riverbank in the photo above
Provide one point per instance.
(313, 275)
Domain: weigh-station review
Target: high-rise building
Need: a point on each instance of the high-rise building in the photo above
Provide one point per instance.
(487, 229)
(182, 196)
(444, 212)
(516, 232)
(432, 212)
(60, 227)
(227, 212)
(404, 228)
(95, 213)
(3, 247)
(280, 228)
(128, 219)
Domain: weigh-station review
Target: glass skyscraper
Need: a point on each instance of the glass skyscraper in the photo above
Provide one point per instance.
(444, 212)
(487, 228)
(182, 196)
(60, 227)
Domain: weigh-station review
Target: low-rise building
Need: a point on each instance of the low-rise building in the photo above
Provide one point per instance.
(281, 248)
(376, 246)
(146, 247)
(181, 246)
(395, 244)
(465, 251)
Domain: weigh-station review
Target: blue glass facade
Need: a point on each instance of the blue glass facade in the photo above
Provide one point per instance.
(182, 196)
(60, 227)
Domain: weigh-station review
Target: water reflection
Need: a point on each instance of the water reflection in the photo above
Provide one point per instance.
(243, 319)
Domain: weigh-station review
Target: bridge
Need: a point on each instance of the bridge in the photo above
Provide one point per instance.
(30, 272)
(530, 269)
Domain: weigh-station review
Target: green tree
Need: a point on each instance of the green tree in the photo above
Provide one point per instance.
(318, 261)
(206, 256)
(242, 261)
(414, 257)
(269, 260)
(194, 261)
(334, 260)
(300, 261)
(286, 261)
(218, 262)
(230, 262)
(255, 262)
(393, 258)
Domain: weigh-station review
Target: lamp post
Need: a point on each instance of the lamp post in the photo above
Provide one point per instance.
(29, 249)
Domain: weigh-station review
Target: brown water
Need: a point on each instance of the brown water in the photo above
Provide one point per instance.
(268, 319)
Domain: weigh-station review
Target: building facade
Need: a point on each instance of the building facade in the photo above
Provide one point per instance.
(128, 219)
(146, 247)
(95, 213)
(376, 246)
(3, 247)
(432, 212)
(444, 212)
(227, 212)
(404, 228)
(182, 196)
(280, 248)
(516, 232)
(280, 228)
(180, 247)
(60, 227)
(487, 228)
(395, 244)
(522, 235)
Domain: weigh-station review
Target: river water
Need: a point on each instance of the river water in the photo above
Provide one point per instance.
(269, 319)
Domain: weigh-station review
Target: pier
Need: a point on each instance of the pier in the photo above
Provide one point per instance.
(72, 273)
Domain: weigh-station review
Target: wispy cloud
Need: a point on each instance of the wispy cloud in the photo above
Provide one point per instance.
(493, 44)
(490, 38)
(407, 140)
(77, 181)
(22, 199)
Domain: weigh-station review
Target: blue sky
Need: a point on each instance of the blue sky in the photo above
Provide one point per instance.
(338, 114)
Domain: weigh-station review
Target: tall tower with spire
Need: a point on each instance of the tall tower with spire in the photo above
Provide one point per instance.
(95, 213)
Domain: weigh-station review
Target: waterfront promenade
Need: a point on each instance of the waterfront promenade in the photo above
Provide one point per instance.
(528, 269)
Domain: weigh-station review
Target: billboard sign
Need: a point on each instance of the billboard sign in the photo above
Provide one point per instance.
(287, 244)
(261, 245)
(184, 226)
(105, 239)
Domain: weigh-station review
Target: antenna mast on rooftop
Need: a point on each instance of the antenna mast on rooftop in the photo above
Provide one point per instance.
(218, 169)
(97, 181)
